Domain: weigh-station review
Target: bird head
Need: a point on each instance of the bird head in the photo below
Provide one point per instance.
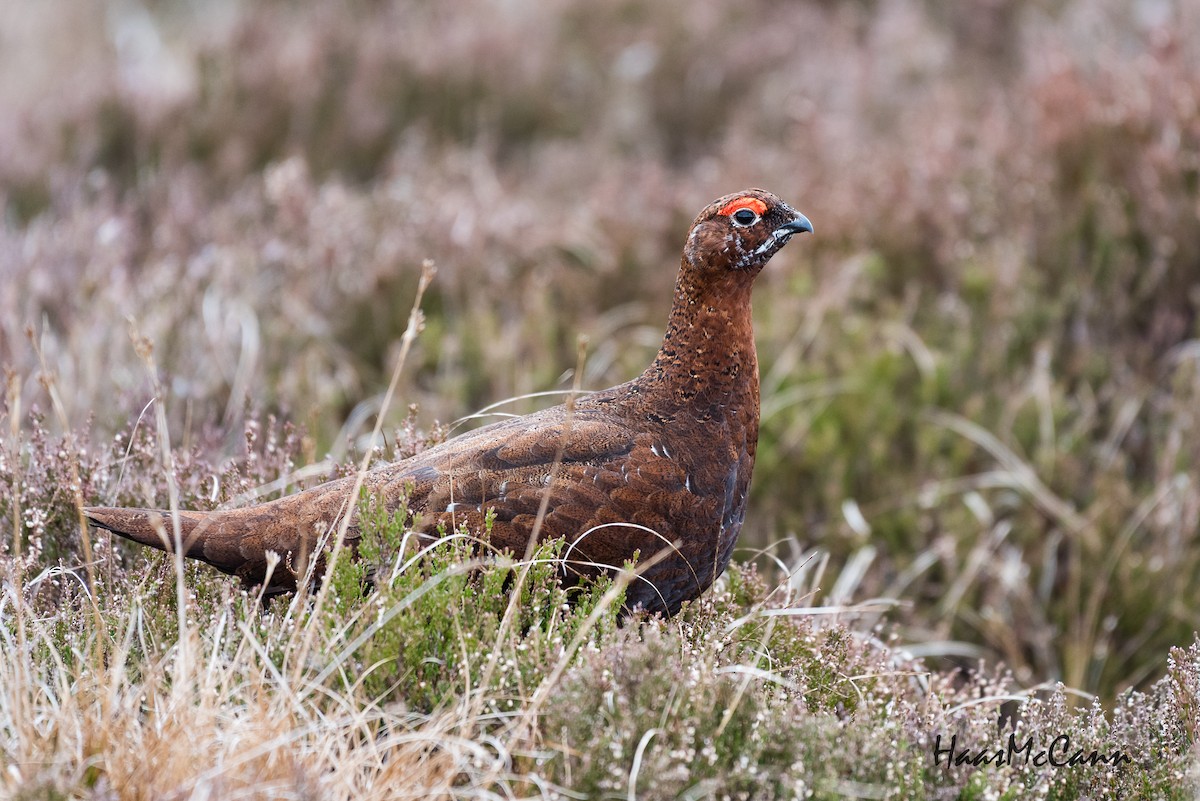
(739, 233)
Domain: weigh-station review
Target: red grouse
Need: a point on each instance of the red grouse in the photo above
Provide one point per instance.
(660, 462)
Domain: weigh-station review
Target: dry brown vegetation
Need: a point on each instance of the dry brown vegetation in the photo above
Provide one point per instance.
(981, 381)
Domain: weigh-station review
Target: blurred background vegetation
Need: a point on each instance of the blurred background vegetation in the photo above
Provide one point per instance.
(981, 378)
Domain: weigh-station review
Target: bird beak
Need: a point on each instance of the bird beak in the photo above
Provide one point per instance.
(796, 226)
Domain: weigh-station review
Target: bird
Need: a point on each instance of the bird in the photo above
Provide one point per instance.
(658, 467)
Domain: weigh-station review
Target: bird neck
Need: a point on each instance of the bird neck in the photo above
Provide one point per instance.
(707, 362)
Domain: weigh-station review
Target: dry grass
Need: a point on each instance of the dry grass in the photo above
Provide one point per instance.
(420, 690)
(980, 379)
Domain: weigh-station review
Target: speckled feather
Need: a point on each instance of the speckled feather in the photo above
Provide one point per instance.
(663, 461)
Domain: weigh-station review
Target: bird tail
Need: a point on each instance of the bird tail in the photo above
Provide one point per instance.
(239, 542)
(151, 527)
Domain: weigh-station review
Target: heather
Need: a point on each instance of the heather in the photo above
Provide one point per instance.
(976, 492)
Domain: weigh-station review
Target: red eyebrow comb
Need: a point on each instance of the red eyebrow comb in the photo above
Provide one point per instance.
(745, 202)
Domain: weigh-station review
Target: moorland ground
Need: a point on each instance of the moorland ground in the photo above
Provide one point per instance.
(981, 383)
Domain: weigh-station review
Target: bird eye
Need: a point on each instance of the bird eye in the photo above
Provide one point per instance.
(745, 217)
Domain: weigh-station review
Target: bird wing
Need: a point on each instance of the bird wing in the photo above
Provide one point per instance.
(570, 464)
(609, 490)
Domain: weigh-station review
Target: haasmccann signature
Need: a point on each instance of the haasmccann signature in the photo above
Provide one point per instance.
(1058, 754)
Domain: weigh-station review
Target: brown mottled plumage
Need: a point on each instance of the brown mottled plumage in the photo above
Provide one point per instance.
(663, 461)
